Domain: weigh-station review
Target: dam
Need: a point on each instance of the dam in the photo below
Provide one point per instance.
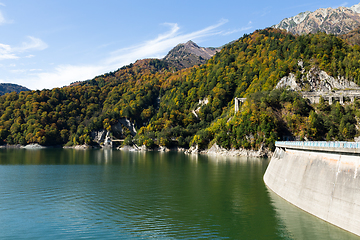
(321, 178)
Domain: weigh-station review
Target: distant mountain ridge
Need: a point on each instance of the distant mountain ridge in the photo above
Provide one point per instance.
(331, 21)
(188, 54)
(10, 87)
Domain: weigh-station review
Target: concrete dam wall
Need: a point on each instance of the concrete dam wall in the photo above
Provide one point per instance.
(323, 183)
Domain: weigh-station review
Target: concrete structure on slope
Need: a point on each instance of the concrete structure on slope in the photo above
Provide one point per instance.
(341, 96)
(238, 102)
(321, 178)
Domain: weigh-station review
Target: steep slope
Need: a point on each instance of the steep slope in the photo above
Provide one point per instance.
(352, 37)
(290, 23)
(251, 67)
(335, 21)
(161, 102)
(10, 87)
(188, 54)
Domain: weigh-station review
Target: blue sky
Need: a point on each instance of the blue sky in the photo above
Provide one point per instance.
(52, 43)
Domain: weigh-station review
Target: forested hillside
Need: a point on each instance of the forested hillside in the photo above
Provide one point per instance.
(9, 87)
(195, 105)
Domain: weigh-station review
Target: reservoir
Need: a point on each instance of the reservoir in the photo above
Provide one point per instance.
(109, 194)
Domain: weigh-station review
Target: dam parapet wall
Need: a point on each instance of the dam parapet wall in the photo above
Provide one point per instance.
(323, 183)
(322, 146)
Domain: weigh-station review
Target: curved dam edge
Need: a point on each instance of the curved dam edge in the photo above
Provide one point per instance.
(326, 185)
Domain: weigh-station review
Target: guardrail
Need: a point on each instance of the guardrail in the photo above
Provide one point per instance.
(319, 144)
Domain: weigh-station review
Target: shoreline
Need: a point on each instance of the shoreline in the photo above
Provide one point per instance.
(215, 150)
(219, 151)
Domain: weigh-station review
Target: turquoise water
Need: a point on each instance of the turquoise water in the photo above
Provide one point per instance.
(104, 194)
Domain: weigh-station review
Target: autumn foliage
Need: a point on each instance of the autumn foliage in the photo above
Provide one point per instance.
(195, 105)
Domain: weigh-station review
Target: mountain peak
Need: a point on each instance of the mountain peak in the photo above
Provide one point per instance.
(190, 43)
(356, 8)
(337, 21)
(188, 54)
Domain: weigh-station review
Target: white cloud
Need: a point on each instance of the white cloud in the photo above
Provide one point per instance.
(61, 76)
(2, 18)
(155, 48)
(249, 26)
(237, 30)
(8, 52)
(18, 71)
(33, 43)
(344, 4)
(64, 75)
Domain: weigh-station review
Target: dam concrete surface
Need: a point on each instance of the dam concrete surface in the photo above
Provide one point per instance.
(322, 178)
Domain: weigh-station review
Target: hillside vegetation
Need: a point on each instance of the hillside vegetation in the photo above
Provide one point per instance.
(195, 105)
(9, 87)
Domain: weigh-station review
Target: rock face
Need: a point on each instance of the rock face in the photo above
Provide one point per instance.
(124, 123)
(289, 82)
(199, 105)
(291, 22)
(335, 21)
(315, 80)
(321, 81)
(120, 129)
(98, 136)
(188, 54)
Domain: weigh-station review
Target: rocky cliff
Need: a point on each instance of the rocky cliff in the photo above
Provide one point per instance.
(119, 130)
(332, 21)
(315, 80)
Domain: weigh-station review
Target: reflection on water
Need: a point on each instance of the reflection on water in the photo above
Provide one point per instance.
(302, 225)
(105, 194)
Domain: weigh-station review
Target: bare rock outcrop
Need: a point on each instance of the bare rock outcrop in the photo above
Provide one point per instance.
(118, 130)
(124, 123)
(289, 82)
(315, 80)
(320, 81)
(217, 150)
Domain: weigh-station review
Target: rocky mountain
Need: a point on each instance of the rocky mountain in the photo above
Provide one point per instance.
(188, 54)
(332, 21)
(9, 87)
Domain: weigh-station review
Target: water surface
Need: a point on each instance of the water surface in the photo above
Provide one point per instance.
(104, 194)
